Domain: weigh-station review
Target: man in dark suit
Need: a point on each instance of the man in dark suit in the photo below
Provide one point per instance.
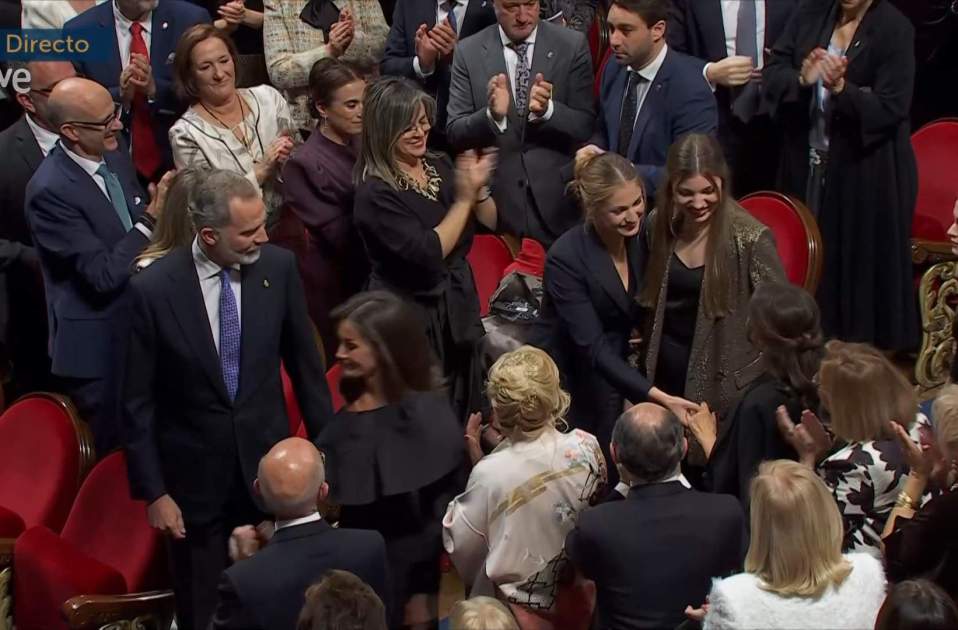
(525, 87)
(655, 552)
(266, 591)
(650, 95)
(89, 220)
(204, 399)
(733, 38)
(139, 73)
(420, 45)
(22, 306)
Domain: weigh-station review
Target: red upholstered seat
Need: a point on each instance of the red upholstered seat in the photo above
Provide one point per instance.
(575, 602)
(333, 375)
(936, 151)
(797, 238)
(488, 257)
(530, 260)
(45, 450)
(293, 411)
(106, 547)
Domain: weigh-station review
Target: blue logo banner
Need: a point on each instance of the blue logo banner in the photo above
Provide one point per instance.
(50, 44)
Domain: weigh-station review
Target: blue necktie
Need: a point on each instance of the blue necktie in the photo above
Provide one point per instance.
(451, 6)
(229, 335)
(117, 198)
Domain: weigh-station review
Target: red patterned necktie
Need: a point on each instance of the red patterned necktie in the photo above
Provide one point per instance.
(146, 153)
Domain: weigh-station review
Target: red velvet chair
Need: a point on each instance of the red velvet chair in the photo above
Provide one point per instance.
(488, 257)
(936, 151)
(333, 376)
(530, 260)
(45, 451)
(293, 411)
(106, 549)
(797, 237)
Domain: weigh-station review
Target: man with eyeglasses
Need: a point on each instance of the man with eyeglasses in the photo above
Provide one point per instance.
(23, 320)
(525, 87)
(89, 220)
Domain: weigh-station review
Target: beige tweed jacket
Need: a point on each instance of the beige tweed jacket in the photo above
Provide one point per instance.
(292, 47)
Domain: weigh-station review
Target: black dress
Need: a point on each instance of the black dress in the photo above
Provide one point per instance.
(585, 323)
(866, 293)
(394, 470)
(748, 436)
(405, 254)
(927, 545)
(678, 325)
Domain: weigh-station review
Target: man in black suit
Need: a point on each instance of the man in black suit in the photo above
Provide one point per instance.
(89, 220)
(525, 87)
(204, 400)
(22, 306)
(420, 45)
(733, 37)
(266, 591)
(650, 95)
(655, 552)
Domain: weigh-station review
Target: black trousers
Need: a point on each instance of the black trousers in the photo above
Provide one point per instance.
(197, 561)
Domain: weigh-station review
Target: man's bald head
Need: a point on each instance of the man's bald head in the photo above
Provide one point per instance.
(291, 476)
(649, 442)
(83, 113)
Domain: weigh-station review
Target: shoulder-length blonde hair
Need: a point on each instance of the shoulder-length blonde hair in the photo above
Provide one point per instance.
(945, 412)
(796, 546)
(389, 110)
(863, 392)
(525, 392)
(691, 155)
(174, 228)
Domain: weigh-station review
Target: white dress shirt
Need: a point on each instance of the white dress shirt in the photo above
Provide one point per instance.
(312, 518)
(208, 273)
(730, 21)
(44, 137)
(649, 72)
(123, 35)
(623, 488)
(512, 60)
(459, 10)
(91, 167)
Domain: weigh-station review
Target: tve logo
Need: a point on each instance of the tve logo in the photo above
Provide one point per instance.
(16, 78)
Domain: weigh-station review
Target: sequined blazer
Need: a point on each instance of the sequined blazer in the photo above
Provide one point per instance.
(292, 47)
(722, 361)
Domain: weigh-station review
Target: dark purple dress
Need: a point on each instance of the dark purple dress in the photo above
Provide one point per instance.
(318, 189)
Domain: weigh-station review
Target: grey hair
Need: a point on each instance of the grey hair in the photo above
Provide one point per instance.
(389, 107)
(210, 201)
(648, 445)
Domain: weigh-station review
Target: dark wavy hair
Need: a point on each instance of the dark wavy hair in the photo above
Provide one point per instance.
(917, 605)
(784, 325)
(398, 336)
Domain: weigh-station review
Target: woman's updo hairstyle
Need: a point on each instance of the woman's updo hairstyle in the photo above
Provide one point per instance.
(326, 77)
(598, 177)
(525, 392)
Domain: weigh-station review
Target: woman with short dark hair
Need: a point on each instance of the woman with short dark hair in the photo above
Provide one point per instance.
(393, 452)
(917, 605)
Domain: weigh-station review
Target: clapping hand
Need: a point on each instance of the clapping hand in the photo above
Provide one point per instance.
(809, 439)
(426, 49)
(833, 69)
(472, 173)
(158, 194)
(732, 71)
(443, 37)
(811, 70)
(473, 447)
(539, 96)
(137, 77)
(233, 12)
(340, 36)
(498, 95)
(922, 459)
(704, 426)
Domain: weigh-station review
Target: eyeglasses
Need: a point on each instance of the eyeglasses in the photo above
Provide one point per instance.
(418, 128)
(117, 111)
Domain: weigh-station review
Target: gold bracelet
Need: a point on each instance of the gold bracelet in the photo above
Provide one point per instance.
(905, 501)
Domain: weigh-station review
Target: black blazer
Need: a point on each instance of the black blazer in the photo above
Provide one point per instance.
(748, 436)
(401, 47)
(183, 434)
(266, 592)
(656, 552)
(585, 323)
(24, 157)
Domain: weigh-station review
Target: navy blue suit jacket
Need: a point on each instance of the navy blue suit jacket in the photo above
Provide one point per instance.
(171, 18)
(678, 102)
(86, 256)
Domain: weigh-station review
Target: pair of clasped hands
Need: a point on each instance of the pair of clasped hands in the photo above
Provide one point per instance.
(433, 44)
(137, 76)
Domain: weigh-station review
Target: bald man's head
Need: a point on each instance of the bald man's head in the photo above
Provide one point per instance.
(85, 116)
(291, 478)
(44, 76)
(648, 440)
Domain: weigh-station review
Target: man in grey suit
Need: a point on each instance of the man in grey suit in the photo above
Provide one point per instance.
(525, 87)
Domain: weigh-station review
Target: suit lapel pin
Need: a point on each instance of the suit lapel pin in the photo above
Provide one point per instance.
(265, 283)
(165, 25)
(137, 201)
(550, 55)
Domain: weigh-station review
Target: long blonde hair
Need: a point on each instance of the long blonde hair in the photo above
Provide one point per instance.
(691, 155)
(525, 392)
(174, 228)
(796, 546)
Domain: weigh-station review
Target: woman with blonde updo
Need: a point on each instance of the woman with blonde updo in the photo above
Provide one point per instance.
(506, 532)
(590, 315)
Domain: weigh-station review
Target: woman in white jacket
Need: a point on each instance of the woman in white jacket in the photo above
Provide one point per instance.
(795, 574)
